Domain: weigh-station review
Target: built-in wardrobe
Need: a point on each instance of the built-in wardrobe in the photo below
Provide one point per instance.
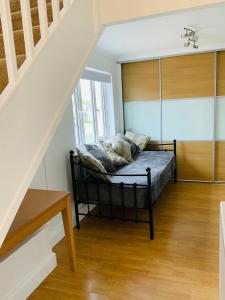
(181, 98)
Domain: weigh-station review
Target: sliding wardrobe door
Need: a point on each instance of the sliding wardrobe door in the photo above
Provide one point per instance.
(220, 119)
(187, 112)
(141, 96)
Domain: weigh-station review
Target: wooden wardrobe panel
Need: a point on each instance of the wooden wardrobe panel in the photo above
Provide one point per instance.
(194, 160)
(141, 81)
(153, 145)
(156, 145)
(188, 76)
(221, 73)
(220, 161)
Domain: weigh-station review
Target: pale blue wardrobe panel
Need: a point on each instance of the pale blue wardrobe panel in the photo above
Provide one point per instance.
(188, 119)
(143, 117)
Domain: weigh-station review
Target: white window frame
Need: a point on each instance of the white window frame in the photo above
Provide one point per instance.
(78, 115)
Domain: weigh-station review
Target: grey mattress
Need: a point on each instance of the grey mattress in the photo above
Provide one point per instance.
(162, 166)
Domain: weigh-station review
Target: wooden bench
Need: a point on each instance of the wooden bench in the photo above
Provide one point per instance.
(37, 208)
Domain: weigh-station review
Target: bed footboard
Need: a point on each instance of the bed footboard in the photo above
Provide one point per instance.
(167, 147)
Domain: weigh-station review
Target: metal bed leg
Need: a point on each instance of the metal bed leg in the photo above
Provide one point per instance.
(135, 201)
(110, 199)
(122, 199)
(175, 155)
(150, 212)
(74, 189)
(99, 200)
(87, 196)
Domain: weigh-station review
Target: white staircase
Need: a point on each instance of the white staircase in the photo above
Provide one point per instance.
(37, 94)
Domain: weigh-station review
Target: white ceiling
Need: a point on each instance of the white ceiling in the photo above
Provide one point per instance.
(161, 35)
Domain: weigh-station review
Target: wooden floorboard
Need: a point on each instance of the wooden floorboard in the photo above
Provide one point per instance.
(117, 261)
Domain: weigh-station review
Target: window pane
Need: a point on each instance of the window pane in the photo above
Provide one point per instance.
(99, 108)
(86, 99)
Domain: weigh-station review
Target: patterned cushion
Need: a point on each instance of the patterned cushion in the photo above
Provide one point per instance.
(139, 139)
(90, 161)
(117, 160)
(122, 148)
(134, 148)
(100, 155)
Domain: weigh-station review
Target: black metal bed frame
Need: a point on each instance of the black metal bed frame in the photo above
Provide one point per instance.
(77, 181)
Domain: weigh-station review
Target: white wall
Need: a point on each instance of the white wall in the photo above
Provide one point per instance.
(53, 173)
(120, 11)
(27, 267)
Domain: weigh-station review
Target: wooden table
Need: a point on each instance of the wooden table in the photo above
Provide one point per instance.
(37, 208)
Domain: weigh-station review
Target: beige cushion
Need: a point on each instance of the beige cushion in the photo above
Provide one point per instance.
(91, 162)
(117, 160)
(122, 148)
(140, 140)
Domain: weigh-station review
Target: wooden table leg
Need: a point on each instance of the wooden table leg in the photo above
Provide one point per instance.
(68, 227)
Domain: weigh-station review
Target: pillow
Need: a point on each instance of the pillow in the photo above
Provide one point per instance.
(139, 139)
(134, 148)
(90, 161)
(122, 148)
(117, 160)
(100, 155)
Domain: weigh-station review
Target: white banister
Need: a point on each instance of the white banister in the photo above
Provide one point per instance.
(43, 18)
(55, 10)
(8, 38)
(27, 28)
(8, 34)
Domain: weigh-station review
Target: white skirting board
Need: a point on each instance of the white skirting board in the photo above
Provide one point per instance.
(23, 271)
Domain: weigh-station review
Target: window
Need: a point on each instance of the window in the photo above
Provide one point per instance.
(87, 110)
(89, 102)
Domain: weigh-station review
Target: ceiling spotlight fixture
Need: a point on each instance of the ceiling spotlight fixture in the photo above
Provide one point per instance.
(191, 37)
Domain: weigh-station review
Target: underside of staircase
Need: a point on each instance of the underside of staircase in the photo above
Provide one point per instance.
(32, 105)
(17, 25)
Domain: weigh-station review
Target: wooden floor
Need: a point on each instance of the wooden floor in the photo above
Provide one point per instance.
(117, 261)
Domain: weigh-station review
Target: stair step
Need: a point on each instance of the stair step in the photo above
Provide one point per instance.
(19, 41)
(18, 34)
(3, 71)
(17, 18)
